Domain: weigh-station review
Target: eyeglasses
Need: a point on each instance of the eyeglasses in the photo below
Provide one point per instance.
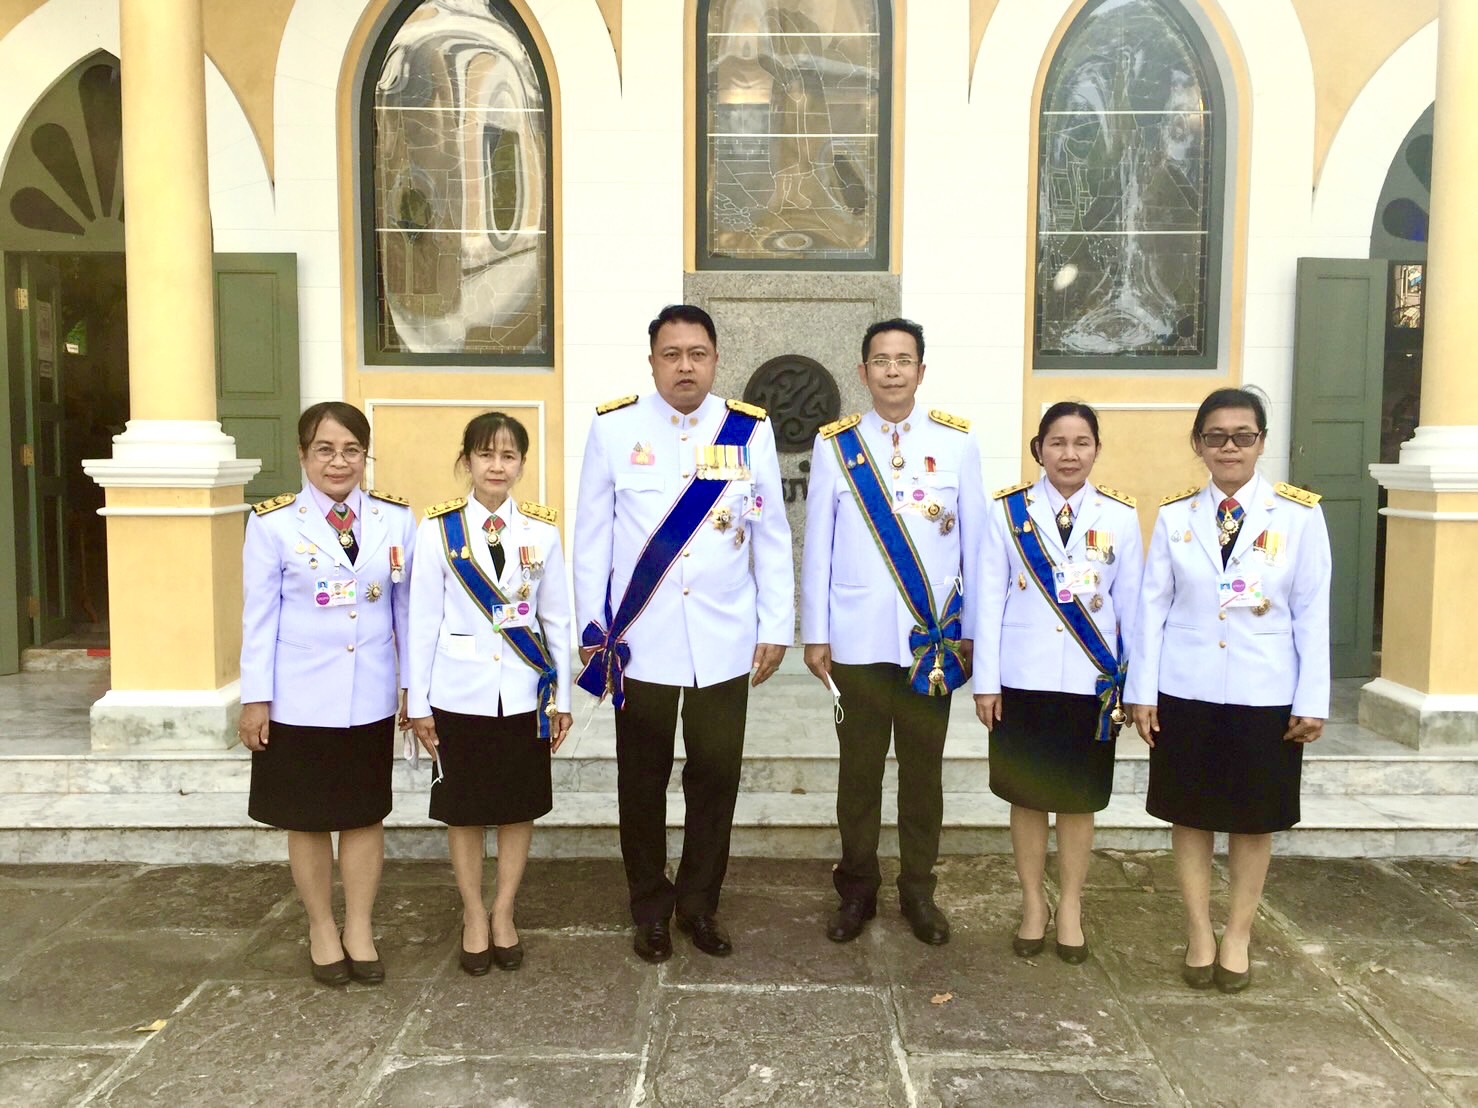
(326, 454)
(882, 362)
(1217, 439)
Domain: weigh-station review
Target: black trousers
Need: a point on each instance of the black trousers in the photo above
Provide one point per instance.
(878, 705)
(713, 735)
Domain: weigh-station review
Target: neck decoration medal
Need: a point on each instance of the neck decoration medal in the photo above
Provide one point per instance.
(897, 460)
(1065, 517)
(343, 522)
(397, 564)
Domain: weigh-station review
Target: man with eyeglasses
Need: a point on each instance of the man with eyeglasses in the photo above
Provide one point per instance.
(684, 590)
(894, 517)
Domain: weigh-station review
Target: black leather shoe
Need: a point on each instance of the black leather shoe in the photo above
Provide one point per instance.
(1027, 948)
(367, 973)
(1229, 982)
(478, 963)
(708, 934)
(508, 957)
(1197, 977)
(653, 942)
(1072, 955)
(335, 973)
(849, 919)
(928, 922)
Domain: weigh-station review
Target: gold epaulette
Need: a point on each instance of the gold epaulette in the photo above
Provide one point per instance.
(456, 504)
(389, 497)
(752, 410)
(1173, 497)
(538, 511)
(615, 405)
(1115, 494)
(272, 505)
(1297, 495)
(1001, 494)
(837, 426)
(949, 420)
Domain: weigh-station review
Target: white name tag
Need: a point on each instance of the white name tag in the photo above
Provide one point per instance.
(335, 594)
(517, 614)
(1074, 579)
(1236, 588)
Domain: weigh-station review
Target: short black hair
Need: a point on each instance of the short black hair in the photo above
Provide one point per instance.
(682, 313)
(906, 325)
(482, 431)
(1061, 410)
(1229, 398)
(346, 415)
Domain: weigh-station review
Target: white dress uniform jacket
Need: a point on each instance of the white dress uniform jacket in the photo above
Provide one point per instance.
(848, 596)
(458, 661)
(1189, 646)
(1023, 643)
(325, 665)
(721, 596)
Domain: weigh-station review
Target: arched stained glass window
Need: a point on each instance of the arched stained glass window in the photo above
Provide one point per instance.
(794, 115)
(459, 198)
(1129, 192)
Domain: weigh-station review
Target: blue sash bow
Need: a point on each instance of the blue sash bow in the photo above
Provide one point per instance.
(604, 672)
(485, 594)
(1109, 686)
(938, 666)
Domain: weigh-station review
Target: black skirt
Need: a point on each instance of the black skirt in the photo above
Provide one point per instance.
(323, 778)
(1044, 753)
(494, 770)
(1224, 767)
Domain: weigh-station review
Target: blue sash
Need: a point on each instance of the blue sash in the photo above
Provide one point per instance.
(938, 666)
(529, 646)
(1079, 621)
(604, 672)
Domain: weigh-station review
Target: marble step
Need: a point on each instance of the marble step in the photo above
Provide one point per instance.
(162, 828)
(804, 764)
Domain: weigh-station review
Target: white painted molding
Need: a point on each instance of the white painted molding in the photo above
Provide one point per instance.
(1435, 459)
(172, 453)
(223, 697)
(371, 403)
(222, 510)
(1423, 702)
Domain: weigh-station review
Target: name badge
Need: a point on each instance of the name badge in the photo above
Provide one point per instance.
(1237, 588)
(1074, 579)
(754, 506)
(335, 594)
(512, 615)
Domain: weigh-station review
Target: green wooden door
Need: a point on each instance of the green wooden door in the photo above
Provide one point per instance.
(257, 397)
(1338, 373)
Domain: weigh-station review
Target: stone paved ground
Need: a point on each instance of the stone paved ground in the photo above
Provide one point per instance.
(1364, 994)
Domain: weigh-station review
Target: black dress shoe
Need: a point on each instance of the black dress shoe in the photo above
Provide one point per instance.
(849, 919)
(477, 963)
(708, 934)
(1229, 982)
(508, 957)
(367, 973)
(335, 973)
(1072, 955)
(928, 922)
(1197, 977)
(1027, 948)
(653, 942)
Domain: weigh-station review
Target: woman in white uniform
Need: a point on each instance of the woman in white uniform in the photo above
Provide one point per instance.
(1230, 673)
(490, 675)
(1059, 579)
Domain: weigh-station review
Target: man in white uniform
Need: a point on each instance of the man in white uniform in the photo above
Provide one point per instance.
(684, 590)
(894, 517)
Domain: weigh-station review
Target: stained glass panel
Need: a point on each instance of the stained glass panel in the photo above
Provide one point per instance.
(1125, 241)
(795, 131)
(461, 196)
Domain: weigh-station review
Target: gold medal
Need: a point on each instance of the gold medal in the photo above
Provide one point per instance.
(936, 676)
(523, 591)
(1095, 604)
(722, 519)
(1118, 716)
(933, 509)
(346, 539)
(1263, 607)
(1021, 581)
(739, 537)
(550, 710)
(897, 461)
(1065, 517)
(1026, 527)
(947, 523)
(375, 591)
(467, 552)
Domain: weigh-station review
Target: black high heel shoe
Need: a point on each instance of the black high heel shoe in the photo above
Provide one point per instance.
(508, 957)
(1229, 982)
(1197, 977)
(475, 964)
(1030, 948)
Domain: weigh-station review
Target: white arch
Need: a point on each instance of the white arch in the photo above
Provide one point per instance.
(1368, 138)
(41, 48)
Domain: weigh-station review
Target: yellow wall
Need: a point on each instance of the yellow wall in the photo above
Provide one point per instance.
(980, 13)
(610, 11)
(415, 446)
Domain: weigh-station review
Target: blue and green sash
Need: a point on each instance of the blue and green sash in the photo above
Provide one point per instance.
(938, 665)
(486, 595)
(1075, 616)
(604, 672)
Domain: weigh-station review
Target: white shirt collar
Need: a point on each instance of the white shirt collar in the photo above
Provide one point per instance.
(1055, 499)
(875, 421)
(670, 415)
(325, 505)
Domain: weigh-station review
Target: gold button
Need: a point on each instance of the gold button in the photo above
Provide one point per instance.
(674, 421)
(687, 553)
(687, 474)
(685, 592)
(497, 657)
(353, 615)
(350, 648)
(1222, 644)
(683, 437)
(1058, 627)
(905, 427)
(1221, 615)
(885, 428)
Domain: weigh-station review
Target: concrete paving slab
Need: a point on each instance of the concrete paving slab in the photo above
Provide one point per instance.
(26, 913)
(569, 894)
(1454, 880)
(950, 1084)
(1341, 900)
(192, 898)
(36, 1077)
(562, 1082)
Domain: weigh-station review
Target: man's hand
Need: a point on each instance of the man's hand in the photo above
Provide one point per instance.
(425, 729)
(562, 724)
(988, 709)
(1303, 729)
(403, 720)
(967, 657)
(818, 661)
(251, 728)
(1146, 721)
(767, 657)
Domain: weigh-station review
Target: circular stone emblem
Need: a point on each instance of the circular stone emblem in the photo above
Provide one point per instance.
(800, 396)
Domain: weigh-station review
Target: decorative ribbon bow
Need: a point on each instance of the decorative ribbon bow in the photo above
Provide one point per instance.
(605, 672)
(939, 664)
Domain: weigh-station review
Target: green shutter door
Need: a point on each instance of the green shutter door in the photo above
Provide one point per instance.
(1338, 374)
(257, 392)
